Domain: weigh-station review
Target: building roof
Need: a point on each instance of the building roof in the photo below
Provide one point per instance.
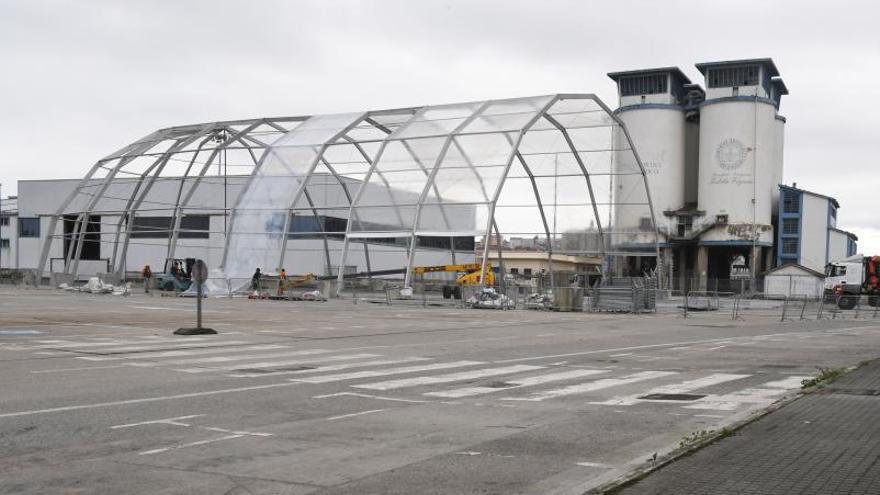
(779, 83)
(797, 266)
(829, 198)
(767, 62)
(845, 232)
(638, 72)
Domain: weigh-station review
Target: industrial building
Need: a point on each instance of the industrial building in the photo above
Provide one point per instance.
(714, 162)
(680, 178)
(808, 233)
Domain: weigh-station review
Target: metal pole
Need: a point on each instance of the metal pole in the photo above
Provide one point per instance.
(198, 305)
(514, 149)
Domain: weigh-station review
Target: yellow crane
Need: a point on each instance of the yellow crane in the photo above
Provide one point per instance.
(470, 272)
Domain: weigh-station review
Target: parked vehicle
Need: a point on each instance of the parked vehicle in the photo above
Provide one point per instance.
(176, 276)
(853, 277)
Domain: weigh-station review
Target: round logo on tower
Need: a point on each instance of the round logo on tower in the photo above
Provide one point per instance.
(730, 154)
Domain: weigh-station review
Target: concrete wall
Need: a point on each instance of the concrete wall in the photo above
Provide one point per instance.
(837, 243)
(814, 229)
(42, 199)
(792, 282)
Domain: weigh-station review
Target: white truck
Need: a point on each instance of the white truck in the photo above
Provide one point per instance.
(848, 279)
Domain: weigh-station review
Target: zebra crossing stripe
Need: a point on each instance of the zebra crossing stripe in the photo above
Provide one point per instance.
(157, 347)
(242, 357)
(195, 352)
(583, 388)
(275, 364)
(79, 345)
(675, 388)
(765, 393)
(385, 372)
(451, 377)
(334, 367)
(524, 382)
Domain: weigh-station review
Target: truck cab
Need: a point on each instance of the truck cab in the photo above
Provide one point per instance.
(848, 279)
(844, 277)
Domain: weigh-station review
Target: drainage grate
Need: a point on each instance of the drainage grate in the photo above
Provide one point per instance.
(683, 397)
(499, 384)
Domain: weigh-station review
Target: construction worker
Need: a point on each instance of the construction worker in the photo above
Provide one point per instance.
(255, 280)
(148, 278)
(282, 282)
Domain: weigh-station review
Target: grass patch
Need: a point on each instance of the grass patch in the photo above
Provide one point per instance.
(700, 436)
(825, 376)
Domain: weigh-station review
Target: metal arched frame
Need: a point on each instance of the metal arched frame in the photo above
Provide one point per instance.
(243, 134)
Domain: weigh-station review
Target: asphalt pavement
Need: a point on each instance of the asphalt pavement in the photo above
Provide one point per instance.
(335, 397)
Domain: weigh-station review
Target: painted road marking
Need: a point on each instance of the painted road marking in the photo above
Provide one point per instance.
(524, 382)
(583, 388)
(368, 396)
(183, 344)
(343, 416)
(84, 368)
(192, 444)
(335, 367)
(675, 388)
(660, 346)
(80, 407)
(242, 357)
(385, 372)
(765, 393)
(78, 345)
(275, 364)
(451, 377)
(171, 421)
(195, 352)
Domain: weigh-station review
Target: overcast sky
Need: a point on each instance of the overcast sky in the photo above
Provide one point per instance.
(81, 79)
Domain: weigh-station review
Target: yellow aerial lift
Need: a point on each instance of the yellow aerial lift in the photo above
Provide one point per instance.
(469, 274)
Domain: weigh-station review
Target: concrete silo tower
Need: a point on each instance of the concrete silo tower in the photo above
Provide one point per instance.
(740, 166)
(651, 105)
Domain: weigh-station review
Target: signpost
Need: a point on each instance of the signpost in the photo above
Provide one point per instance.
(199, 276)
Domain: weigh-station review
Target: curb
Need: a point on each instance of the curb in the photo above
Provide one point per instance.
(638, 474)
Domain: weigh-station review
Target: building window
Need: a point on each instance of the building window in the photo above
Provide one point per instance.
(514, 271)
(791, 226)
(4, 243)
(729, 77)
(527, 272)
(791, 202)
(191, 227)
(4, 221)
(685, 224)
(643, 85)
(645, 223)
(29, 227)
(790, 246)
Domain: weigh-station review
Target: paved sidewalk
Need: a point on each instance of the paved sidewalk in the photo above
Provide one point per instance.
(825, 443)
